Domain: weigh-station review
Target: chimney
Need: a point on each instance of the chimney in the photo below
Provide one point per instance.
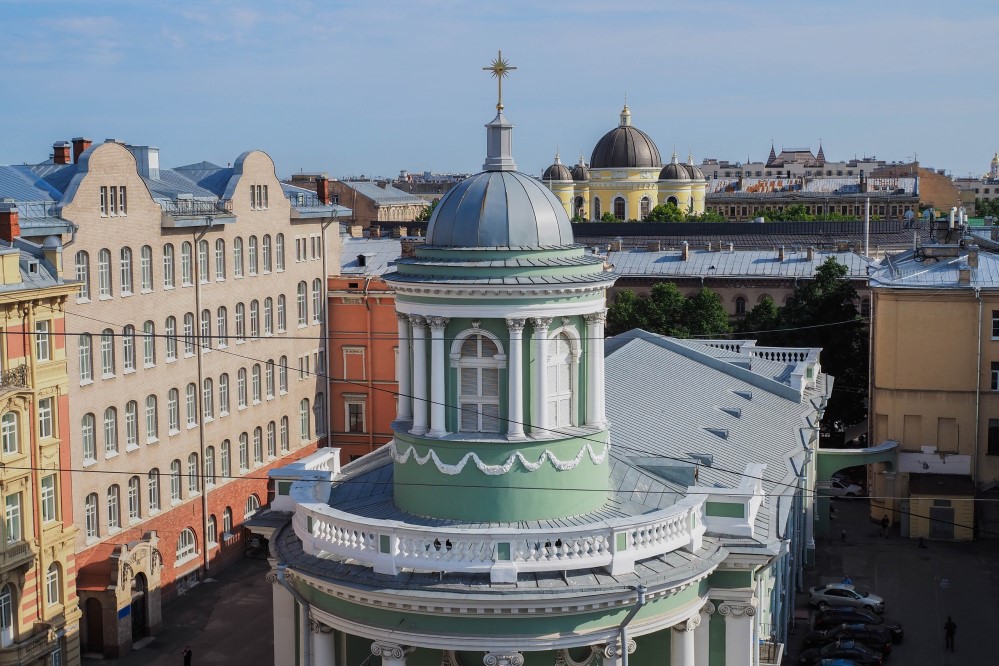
(323, 190)
(709, 246)
(61, 152)
(147, 161)
(811, 253)
(408, 248)
(653, 246)
(79, 145)
(731, 247)
(973, 256)
(615, 245)
(356, 231)
(963, 273)
(842, 246)
(685, 251)
(780, 253)
(383, 184)
(362, 260)
(9, 226)
(375, 231)
(863, 182)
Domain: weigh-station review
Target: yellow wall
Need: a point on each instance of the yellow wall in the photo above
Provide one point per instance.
(964, 517)
(631, 184)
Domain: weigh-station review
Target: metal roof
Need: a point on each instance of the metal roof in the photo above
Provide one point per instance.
(22, 184)
(379, 255)
(915, 270)
(383, 195)
(756, 263)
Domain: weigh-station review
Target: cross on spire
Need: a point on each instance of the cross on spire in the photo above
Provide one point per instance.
(500, 67)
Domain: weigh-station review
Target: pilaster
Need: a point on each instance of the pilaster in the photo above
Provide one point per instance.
(515, 380)
(739, 648)
(683, 646)
(540, 420)
(438, 395)
(419, 327)
(405, 409)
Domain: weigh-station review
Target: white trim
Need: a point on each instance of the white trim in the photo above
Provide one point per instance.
(498, 470)
(486, 311)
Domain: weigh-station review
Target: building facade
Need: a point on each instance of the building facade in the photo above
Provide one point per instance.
(196, 362)
(39, 614)
(376, 201)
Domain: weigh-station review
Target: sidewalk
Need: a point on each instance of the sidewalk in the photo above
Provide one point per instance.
(229, 621)
(921, 587)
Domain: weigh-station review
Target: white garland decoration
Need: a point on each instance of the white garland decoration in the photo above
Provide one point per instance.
(497, 470)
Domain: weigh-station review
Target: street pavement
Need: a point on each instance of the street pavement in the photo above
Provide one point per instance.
(228, 621)
(921, 587)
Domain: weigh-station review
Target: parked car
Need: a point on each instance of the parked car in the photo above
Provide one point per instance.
(837, 615)
(843, 649)
(835, 662)
(873, 636)
(839, 488)
(844, 594)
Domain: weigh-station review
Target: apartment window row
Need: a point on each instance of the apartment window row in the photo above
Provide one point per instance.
(308, 247)
(12, 442)
(114, 200)
(211, 264)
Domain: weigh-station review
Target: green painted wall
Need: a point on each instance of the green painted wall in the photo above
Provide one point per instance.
(724, 510)
(731, 579)
(517, 495)
(716, 639)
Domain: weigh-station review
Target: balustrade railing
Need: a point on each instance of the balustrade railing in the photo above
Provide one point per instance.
(783, 354)
(195, 207)
(16, 377)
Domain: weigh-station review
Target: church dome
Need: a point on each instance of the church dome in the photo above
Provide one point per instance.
(693, 170)
(557, 171)
(625, 147)
(499, 209)
(675, 171)
(580, 172)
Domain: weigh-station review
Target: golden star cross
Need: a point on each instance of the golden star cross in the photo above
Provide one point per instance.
(500, 67)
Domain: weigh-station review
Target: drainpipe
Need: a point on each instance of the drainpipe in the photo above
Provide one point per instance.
(305, 637)
(199, 391)
(324, 327)
(978, 391)
(639, 602)
(370, 416)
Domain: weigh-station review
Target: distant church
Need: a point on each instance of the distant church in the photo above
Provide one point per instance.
(626, 178)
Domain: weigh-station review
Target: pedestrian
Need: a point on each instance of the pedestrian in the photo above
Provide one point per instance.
(949, 630)
(842, 535)
(187, 655)
(884, 525)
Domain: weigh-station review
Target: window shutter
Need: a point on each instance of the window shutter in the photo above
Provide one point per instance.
(488, 347)
(469, 348)
(469, 381)
(469, 417)
(490, 418)
(490, 382)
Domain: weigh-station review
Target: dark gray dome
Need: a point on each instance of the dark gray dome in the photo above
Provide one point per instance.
(557, 171)
(499, 209)
(580, 172)
(674, 171)
(625, 147)
(692, 171)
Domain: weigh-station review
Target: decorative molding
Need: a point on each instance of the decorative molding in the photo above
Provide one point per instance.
(418, 321)
(498, 470)
(271, 577)
(390, 651)
(516, 324)
(503, 659)
(562, 657)
(437, 323)
(595, 317)
(449, 658)
(689, 624)
(402, 316)
(320, 628)
(708, 608)
(613, 650)
(541, 323)
(736, 609)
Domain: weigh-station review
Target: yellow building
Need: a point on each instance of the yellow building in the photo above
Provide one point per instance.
(625, 177)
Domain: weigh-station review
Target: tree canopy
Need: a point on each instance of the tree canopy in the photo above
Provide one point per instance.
(666, 311)
(670, 212)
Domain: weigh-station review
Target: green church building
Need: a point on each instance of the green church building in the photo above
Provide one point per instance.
(501, 526)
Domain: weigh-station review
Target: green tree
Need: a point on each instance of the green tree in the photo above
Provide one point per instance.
(706, 216)
(608, 217)
(705, 315)
(428, 211)
(764, 317)
(667, 212)
(666, 311)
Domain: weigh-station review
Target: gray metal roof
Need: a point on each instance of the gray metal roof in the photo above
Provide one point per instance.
(383, 195)
(499, 209)
(379, 253)
(909, 270)
(757, 263)
(22, 184)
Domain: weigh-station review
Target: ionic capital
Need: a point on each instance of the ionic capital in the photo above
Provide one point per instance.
(689, 624)
(503, 659)
(736, 609)
(319, 628)
(389, 651)
(708, 608)
(613, 650)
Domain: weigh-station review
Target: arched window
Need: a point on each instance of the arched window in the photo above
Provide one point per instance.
(82, 265)
(271, 440)
(252, 251)
(223, 394)
(110, 431)
(255, 382)
(126, 270)
(596, 208)
(560, 384)
(168, 269)
(8, 615)
(227, 520)
(258, 446)
(740, 306)
(283, 374)
(173, 410)
(90, 511)
(268, 316)
(317, 301)
(203, 261)
(284, 434)
(187, 545)
(244, 452)
(478, 384)
(170, 334)
(206, 329)
(175, 480)
(269, 378)
(645, 207)
(88, 437)
(252, 504)
(189, 334)
(210, 465)
(254, 319)
(186, 269)
(191, 402)
(237, 257)
(619, 208)
(131, 425)
(303, 304)
(304, 419)
(104, 273)
(114, 508)
(279, 252)
(222, 327)
(8, 433)
(128, 348)
(153, 489)
(577, 206)
(146, 268)
(219, 259)
(241, 387)
(282, 314)
(225, 459)
(673, 200)
(107, 352)
(208, 399)
(318, 406)
(240, 322)
(193, 480)
(53, 585)
(84, 347)
(152, 419)
(148, 344)
(134, 503)
(265, 249)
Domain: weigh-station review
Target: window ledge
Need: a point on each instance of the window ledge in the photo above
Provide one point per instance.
(171, 360)
(146, 291)
(86, 382)
(80, 301)
(104, 297)
(146, 366)
(192, 425)
(109, 456)
(184, 560)
(169, 287)
(108, 376)
(152, 440)
(126, 294)
(131, 447)
(128, 371)
(88, 463)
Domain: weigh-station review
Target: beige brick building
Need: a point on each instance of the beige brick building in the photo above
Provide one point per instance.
(193, 344)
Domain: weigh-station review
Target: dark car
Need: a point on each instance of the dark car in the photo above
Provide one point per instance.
(837, 615)
(851, 650)
(873, 636)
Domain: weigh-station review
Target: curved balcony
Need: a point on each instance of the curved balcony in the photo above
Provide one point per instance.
(389, 546)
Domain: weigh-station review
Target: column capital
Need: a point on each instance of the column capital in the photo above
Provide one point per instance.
(614, 651)
(737, 609)
(437, 323)
(689, 624)
(390, 651)
(708, 608)
(418, 321)
(541, 323)
(403, 317)
(503, 659)
(598, 317)
(319, 627)
(516, 324)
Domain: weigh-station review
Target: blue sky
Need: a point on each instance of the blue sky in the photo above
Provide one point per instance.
(362, 87)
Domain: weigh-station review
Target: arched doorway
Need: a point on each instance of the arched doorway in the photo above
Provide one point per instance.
(140, 618)
(95, 625)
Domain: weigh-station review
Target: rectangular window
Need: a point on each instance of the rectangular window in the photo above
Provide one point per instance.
(995, 324)
(52, 595)
(49, 498)
(104, 202)
(995, 376)
(42, 341)
(993, 449)
(355, 417)
(13, 519)
(46, 418)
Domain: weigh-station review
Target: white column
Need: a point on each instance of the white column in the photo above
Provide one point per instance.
(323, 647)
(739, 648)
(540, 420)
(613, 655)
(515, 380)
(595, 400)
(702, 636)
(405, 411)
(392, 654)
(438, 366)
(284, 623)
(419, 375)
(682, 644)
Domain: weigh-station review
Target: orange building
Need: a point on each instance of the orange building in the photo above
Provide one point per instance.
(363, 344)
